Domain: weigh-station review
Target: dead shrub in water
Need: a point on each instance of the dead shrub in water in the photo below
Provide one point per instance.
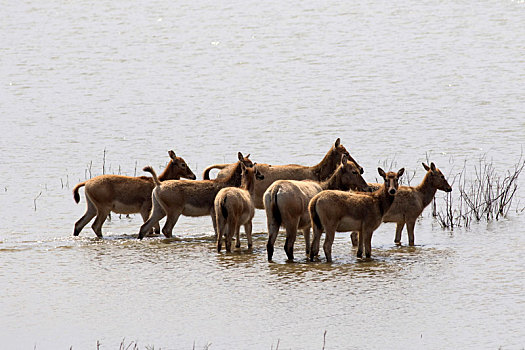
(486, 196)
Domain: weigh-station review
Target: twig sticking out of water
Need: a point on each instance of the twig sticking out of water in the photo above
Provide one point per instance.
(124, 347)
(324, 339)
(88, 170)
(104, 162)
(34, 200)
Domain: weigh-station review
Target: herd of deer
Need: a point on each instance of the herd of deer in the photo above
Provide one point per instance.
(328, 197)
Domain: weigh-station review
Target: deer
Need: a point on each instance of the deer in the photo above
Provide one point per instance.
(286, 203)
(410, 202)
(341, 211)
(320, 172)
(124, 194)
(174, 198)
(234, 207)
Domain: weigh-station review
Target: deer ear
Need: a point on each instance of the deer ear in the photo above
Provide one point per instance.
(239, 155)
(337, 142)
(425, 166)
(382, 173)
(400, 172)
(433, 166)
(172, 154)
(247, 156)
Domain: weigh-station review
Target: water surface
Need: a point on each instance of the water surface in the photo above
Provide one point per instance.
(93, 88)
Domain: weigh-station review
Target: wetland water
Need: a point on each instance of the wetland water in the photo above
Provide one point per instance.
(87, 87)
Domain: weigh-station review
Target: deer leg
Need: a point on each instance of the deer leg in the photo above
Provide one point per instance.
(410, 229)
(156, 214)
(237, 235)
(314, 247)
(291, 234)
(353, 237)
(232, 228)
(273, 230)
(220, 223)
(171, 221)
(399, 230)
(368, 244)
(360, 244)
(328, 241)
(213, 220)
(90, 213)
(248, 231)
(145, 214)
(102, 214)
(306, 234)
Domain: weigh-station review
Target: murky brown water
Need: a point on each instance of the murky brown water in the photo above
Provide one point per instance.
(282, 81)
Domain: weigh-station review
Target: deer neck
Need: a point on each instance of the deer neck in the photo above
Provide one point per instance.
(165, 175)
(234, 180)
(248, 184)
(326, 166)
(426, 190)
(334, 183)
(384, 199)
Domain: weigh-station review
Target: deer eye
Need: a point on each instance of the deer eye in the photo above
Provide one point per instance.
(183, 165)
(354, 172)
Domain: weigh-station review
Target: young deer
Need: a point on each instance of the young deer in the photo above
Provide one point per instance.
(124, 194)
(350, 211)
(319, 172)
(188, 198)
(234, 207)
(411, 201)
(286, 203)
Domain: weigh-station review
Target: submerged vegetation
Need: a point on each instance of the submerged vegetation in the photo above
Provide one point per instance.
(486, 195)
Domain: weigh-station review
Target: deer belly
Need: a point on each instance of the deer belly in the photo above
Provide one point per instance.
(348, 223)
(123, 208)
(190, 210)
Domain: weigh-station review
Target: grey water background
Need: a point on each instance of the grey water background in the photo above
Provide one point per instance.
(109, 87)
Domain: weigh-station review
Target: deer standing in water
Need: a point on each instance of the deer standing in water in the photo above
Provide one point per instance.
(234, 207)
(188, 198)
(341, 211)
(411, 201)
(272, 173)
(123, 194)
(286, 203)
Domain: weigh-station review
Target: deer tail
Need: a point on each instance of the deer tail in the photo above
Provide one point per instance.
(224, 210)
(150, 170)
(206, 172)
(313, 214)
(76, 196)
(275, 209)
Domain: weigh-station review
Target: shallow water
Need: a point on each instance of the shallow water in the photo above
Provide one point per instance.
(93, 88)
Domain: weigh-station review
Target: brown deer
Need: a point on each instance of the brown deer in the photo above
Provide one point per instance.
(234, 207)
(351, 211)
(226, 169)
(124, 194)
(411, 201)
(286, 203)
(319, 172)
(188, 198)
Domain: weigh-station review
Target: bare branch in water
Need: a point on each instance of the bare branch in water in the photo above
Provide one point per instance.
(488, 196)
